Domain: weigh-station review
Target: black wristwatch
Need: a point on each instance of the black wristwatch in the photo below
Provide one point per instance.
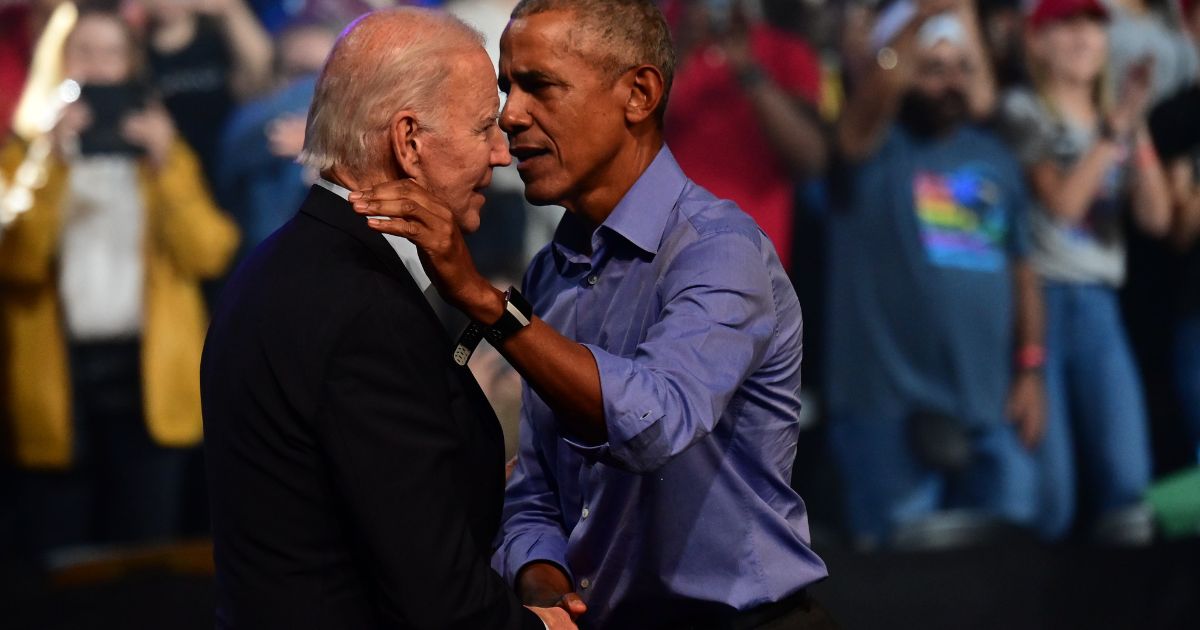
(518, 313)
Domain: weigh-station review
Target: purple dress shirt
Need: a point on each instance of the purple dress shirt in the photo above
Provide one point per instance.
(696, 331)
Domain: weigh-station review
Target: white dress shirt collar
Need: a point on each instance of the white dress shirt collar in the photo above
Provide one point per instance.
(404, 247)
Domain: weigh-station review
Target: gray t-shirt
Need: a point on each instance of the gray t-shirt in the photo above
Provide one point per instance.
(1093, 251)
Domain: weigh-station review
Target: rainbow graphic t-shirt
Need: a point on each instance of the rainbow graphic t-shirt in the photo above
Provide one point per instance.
(962, 219)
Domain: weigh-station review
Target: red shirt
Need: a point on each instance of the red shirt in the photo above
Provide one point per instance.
(715, 135)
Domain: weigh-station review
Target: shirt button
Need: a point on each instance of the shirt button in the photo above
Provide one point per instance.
(586, 512)
(584, 583)
(592, 280)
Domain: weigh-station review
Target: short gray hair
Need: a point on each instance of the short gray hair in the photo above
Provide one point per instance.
(629, 33)
(384, 62)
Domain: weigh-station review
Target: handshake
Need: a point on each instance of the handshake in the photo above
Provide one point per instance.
(546, 590)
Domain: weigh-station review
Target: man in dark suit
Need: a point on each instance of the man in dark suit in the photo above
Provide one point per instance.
(356, 471)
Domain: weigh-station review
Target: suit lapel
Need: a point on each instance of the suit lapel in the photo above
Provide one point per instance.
(469, 403)
(336, 212)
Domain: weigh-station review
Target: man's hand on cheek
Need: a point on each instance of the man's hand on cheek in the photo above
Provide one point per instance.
(403, 208)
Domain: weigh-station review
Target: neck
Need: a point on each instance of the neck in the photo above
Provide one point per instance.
(615, 179)
(1074, 98)
(355, 181)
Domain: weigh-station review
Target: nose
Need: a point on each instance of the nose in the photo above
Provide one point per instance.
(514, 116)
(499, 155)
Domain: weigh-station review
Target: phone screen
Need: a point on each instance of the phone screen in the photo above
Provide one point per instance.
(109, 105)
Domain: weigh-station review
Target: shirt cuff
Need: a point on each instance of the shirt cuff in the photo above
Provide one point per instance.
(552, 549)
(633, 425)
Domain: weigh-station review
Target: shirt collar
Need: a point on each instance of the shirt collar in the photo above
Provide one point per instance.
(403, 247)
(641, 216)
(340, 191)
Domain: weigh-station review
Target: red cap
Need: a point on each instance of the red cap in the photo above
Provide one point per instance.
(1048, 11)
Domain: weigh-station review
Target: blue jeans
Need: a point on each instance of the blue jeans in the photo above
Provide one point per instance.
(1187, 373)
(886, 485)
(1096, 428)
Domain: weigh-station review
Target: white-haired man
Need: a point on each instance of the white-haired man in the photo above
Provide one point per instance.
(356, 472)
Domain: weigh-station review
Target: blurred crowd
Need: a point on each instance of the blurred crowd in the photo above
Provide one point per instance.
(990, 210)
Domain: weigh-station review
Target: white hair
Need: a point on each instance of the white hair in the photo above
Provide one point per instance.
(384, 62)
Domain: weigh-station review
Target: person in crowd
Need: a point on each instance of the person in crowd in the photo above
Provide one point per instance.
(205, 56)
(1145, 29)
(935, 329)
(350, 458)
(257, 178)
(1002, 24)
(1086, 161)
(745, 79)
(100, 304)
(19, 28)
(1175, 125)
(660, 344)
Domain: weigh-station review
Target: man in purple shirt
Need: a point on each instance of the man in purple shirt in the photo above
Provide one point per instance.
(660, 344)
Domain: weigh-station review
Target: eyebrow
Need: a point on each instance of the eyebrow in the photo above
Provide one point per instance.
(532, 76)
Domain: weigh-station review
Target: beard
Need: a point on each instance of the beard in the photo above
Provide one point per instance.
(932, 116)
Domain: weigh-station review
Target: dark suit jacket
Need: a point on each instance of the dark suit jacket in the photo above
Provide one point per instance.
(356, 473)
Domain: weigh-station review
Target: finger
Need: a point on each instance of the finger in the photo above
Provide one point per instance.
(401, 209)
(403, 189)
(398, 227)
(394, 189)
(573, 604)
(133, 129)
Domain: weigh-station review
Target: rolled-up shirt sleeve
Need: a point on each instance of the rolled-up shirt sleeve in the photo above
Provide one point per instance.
(716, 325)
(532, 529)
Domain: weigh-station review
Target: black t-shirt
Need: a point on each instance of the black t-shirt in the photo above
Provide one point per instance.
(1175, 126)
(194, 84)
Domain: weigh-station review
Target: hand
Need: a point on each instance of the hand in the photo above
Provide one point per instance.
(929, 8)
(1027, 407)
(151, 129)
(509, 467)
(554, 618)
(736, 47)
(285, 135)
(1134, 98)
(544, 584)
(418, 216)
(76, 117)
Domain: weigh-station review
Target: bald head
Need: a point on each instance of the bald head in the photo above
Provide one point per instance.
(383, 63)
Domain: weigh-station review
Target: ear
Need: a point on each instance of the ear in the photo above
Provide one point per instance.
(406, 142)
(646, 85)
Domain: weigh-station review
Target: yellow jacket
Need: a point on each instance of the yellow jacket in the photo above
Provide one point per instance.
(187, 239)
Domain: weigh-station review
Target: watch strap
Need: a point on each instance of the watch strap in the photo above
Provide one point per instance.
(518, 313)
